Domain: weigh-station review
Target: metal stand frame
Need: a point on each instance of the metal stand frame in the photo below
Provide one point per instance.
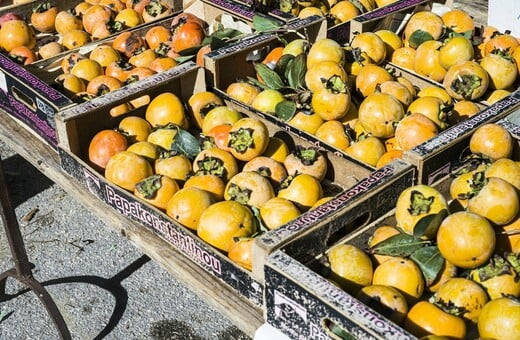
(22, 270)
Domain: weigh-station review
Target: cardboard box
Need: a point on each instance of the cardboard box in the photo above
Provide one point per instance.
(387, 17)
(302, 303)
(439, 156)
(228, 64)
(350, 182)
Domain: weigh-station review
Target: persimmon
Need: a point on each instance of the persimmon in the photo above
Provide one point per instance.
(156, 35)
(105, 55)
(23, 55)
(14, 33)
(241, 252)
(155, 10)
(43, 17)
(458, 21)
(187, 205)
(156, 190)
(161, 64)
(423, 21)
(212, 183)
(466, 239)
(187, 35)
(166, 108)
(104, 145)
(201, 103)
(414, 129)
(351, 268)
(223, 221)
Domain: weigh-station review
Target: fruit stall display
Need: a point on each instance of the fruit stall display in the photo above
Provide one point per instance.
(232, 146)
(443, 262)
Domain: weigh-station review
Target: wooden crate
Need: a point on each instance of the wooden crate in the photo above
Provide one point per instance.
(25, 11)
(432, 159)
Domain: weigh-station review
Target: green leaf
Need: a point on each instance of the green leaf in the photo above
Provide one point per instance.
(226, 33)
(341, 333)
(185, 143)
(257, 83)
(428, 225)
(295, 72)
(398, 245)
(270, 77)
(183, 59)
(430, 260)
(283, 62)
(260, 223)
(418, 37)
(285, 110)
(263, 23)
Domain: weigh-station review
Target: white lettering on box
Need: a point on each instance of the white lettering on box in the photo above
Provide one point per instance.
(183, 242)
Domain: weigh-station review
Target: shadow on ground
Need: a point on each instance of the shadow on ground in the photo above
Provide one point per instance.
(23, 179)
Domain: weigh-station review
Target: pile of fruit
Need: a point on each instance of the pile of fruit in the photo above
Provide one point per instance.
(450, 264)
(472, 63)
(51, 30)
(212, 169)
(129, 57)
(352, 98)
(335, 12)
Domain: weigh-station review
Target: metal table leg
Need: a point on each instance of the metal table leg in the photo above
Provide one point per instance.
(22, 270)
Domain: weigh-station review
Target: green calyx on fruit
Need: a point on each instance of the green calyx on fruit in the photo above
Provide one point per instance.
(148, 187)
(419, 204)
(211, 166)
(335, 84)
(241, 195)
(466, 84)
(42, 7)
(477, 182)
(307, 155)
(241, 140)
(496, 266)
